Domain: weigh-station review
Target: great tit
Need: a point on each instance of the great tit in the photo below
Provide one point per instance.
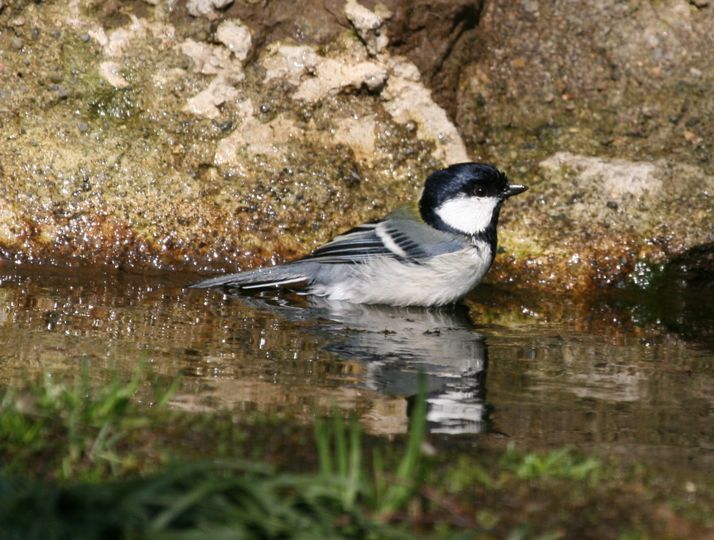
(430, 254)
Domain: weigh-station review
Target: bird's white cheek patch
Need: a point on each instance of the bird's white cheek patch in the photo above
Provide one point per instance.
(469, 215)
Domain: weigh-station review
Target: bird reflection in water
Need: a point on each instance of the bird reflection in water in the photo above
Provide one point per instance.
(396, 344)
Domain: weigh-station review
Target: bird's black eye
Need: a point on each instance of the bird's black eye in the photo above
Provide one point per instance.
(479, 191)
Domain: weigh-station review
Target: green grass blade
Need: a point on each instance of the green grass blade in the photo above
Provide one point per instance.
(340, 438)
(409, 473)
(355, 465)
(322, 439)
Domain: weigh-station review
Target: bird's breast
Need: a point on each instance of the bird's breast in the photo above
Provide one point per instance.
(442, 279)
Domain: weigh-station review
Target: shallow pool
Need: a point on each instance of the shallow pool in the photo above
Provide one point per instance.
(621, 374)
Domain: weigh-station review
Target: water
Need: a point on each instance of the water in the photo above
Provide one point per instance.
(620, 374)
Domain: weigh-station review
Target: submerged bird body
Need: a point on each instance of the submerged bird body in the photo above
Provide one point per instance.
(426, 256)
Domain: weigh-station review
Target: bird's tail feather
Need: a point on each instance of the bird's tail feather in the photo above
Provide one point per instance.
(289, 275)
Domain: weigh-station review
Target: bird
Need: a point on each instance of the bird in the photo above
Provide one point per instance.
(431, 253)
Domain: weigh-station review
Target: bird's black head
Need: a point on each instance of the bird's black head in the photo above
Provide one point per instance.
(466, 198)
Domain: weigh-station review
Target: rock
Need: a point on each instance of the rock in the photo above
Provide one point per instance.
(212, 60)
(396, 79)
(289, 62)
(335, 75)
(206, 8)
(212, 139)
(318, 78)
(11, 230)
(616, 179)
(359, 134)
(236, 36)
(440, 37)
(206, 103)
(188, 168)
(60, 90)
(117, 42)
(408, 100)
(622, 67)
(110, 72)
(591, 220)
(255, 137)
(369, 26)
(605, 80)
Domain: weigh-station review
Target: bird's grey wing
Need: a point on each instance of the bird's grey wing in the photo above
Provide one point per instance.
(405, 239)
(353, 246)
(292, 275)
(394, 237)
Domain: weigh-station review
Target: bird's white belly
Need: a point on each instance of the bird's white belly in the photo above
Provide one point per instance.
(440, 280)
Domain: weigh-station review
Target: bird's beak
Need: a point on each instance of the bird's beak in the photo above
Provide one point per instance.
(513, 189)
